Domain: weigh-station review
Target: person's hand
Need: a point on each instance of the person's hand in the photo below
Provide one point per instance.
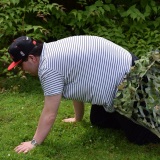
(69, 120)
(24, 147)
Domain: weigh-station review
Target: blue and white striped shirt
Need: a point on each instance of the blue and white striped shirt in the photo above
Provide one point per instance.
(84, 68)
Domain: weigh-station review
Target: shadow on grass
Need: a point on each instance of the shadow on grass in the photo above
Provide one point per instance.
(27, 84)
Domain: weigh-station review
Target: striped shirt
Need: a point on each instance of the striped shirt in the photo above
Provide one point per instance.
(84, 68)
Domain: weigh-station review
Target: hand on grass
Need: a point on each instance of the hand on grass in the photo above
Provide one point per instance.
(69, 120)
(24, 147)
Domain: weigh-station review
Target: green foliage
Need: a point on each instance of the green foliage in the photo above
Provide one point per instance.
(138, 95)
(132, 24)
(28, 17)
(32, 18)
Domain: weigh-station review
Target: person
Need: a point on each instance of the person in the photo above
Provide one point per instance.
(82, 68)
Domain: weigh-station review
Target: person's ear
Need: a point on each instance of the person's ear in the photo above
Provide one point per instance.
(32, 58)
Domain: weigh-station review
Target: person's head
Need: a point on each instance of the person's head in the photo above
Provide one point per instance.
(25, 52)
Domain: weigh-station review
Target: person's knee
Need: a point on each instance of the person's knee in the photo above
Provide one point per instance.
(96, 115)
(99, 117)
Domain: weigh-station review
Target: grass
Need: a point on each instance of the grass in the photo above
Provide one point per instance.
(21, 107)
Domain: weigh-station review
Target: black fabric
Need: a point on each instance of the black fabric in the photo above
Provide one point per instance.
(135, 133)
(103, 119)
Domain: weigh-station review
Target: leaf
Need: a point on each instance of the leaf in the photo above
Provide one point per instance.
(10, 24)
(1, 20)
(154, 6)
(92, 8)
(102, 10)
(156, 22)
(144, 3)
(106, 7)
(135, 13)
(112, 7)
(74, 12)
(99, 3)
(79, 16)
(15, 1)
(108, 1)
(147, 11)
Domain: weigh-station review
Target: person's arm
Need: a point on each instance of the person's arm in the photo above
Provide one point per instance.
(46, 121)
(79, 112)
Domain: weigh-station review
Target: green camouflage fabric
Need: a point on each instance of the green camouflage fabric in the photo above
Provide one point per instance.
(138, 96)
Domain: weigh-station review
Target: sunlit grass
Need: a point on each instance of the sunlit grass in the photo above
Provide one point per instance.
(19, 115)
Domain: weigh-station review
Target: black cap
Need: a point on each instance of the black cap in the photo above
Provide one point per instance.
(20, 49)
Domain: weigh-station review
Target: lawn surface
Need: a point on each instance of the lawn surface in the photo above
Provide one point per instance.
(21, 105)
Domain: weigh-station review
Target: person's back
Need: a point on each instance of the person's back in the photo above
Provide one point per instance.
(84, 68)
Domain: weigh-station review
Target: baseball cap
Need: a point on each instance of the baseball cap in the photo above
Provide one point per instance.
(20, 49)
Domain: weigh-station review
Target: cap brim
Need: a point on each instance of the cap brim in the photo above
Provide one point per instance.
(13, 64)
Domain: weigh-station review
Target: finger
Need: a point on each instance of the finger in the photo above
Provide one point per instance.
(23, 149)
(20, 148)
(17, 148)
(26, 151)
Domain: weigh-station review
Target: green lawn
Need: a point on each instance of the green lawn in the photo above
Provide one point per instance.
(20, 110)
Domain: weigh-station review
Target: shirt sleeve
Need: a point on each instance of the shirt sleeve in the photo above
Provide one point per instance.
(52, 82)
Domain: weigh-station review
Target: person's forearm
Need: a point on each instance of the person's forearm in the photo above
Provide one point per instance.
(45, 123)
(47, 117)
(79, 110)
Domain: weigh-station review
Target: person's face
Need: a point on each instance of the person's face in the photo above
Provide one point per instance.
(31, 65)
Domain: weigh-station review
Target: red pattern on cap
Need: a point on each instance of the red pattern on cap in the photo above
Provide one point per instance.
(34, 42)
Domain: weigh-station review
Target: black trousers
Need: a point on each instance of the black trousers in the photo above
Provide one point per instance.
(134, 132)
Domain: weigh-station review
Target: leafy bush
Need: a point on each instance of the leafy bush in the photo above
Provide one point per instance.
(132, 24)
(34, 18)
